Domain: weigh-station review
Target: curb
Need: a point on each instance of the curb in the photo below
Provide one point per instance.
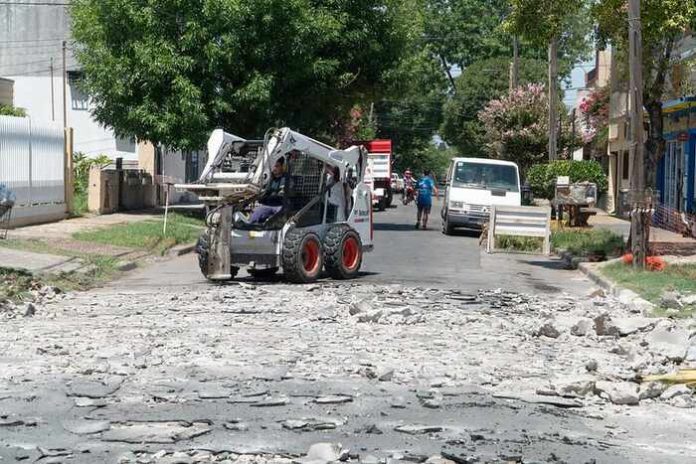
(180, 250)
(624, 295)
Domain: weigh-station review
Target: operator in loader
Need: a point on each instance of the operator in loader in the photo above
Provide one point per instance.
(271, 201)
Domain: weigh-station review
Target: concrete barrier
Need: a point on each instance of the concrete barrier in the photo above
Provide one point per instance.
(521, 221)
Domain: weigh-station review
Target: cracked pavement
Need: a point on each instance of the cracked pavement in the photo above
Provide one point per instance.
(256, 373)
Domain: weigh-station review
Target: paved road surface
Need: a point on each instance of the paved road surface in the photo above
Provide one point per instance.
(415, 257)
(166, 368)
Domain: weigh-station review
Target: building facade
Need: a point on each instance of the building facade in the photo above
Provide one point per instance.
(32, 37)
(31, 55)
(676, 176)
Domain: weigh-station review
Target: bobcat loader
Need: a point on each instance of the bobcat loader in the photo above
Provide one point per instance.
(325, 222)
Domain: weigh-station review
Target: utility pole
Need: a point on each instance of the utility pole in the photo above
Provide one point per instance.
(573, 115)
(65, 88)
(53, 102)
(641, 203)
(553, 96)
(515, 62)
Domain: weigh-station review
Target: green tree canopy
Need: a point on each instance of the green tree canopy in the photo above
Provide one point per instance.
(411, 113)
(481, 82)
(172, 70)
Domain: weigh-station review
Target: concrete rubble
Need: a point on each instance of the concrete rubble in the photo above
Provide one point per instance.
(280, 374)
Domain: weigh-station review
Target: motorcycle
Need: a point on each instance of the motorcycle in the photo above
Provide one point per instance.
(409, 194)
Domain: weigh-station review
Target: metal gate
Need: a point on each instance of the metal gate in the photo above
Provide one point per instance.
(32, 165)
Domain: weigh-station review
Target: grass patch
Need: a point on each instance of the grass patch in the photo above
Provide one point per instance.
(16, 285)
(650, 285)
(599, 243)
(79, 204)
(147, 235)
(517, 243)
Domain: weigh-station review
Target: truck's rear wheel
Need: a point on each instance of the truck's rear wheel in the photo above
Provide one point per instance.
(342, 252)
(203, 251)
(389, 198)
(302, 256)
(447, 228)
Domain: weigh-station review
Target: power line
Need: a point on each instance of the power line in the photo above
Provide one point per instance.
(32, 40)
(33, 4)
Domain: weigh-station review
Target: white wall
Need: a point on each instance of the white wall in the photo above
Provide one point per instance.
(34, 94)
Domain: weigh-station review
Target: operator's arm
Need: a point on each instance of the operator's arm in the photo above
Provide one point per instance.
(273, 196)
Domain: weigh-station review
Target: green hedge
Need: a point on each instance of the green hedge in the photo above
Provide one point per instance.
(542, 177)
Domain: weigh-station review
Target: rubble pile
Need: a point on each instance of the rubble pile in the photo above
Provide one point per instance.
(37, 297)
(379, 362)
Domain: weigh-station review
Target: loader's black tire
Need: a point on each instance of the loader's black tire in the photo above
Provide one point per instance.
(203, 251)
(262, 274)
(302, 256)
(343, 253)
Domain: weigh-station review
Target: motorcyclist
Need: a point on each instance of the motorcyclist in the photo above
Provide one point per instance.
(409, 187)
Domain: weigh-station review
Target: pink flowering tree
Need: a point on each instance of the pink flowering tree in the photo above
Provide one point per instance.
(595, 110)
(516, 127)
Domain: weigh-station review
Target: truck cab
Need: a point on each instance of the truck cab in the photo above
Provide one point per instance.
(473, 186)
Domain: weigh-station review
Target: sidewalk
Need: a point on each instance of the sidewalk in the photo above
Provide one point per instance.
(38, 263)
(664, 242)
(66, 228)
(51, 249)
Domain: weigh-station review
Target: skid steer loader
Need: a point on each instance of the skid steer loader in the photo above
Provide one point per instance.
(324, 223)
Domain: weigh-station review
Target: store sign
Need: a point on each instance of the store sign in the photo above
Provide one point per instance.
(683, 137)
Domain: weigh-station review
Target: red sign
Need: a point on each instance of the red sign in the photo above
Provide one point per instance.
(683, 137)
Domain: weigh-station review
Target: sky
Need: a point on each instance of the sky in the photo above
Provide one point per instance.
(577, 82)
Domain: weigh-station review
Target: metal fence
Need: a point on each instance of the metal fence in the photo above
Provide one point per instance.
(32, 165)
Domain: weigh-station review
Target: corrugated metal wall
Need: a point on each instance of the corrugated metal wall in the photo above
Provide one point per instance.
(32, 163)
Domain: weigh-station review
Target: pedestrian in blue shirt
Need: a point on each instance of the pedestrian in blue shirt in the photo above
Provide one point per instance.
(426, 190)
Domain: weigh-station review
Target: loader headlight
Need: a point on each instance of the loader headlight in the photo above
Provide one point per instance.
(456, 205)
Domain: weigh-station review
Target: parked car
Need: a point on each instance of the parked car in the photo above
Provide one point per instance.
(473, 186)
(397, 183)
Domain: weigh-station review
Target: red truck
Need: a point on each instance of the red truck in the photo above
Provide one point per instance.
(378, 174)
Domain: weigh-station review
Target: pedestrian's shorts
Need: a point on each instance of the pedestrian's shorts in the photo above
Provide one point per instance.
(424, 207)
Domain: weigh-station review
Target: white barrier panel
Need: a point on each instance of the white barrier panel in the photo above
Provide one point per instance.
(521, 221)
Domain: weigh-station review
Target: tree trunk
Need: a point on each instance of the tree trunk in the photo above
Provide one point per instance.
(654, 143)
(553, 96)
(449, 73)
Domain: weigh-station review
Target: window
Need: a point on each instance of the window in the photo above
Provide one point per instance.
(192, 166)
(79, 100)
(625, 166)
(486, 176)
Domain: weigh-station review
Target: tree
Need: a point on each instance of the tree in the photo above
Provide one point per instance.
(6, 110)
(516, 126)
(411, 113)
(169, 71)
(480, 83)
(549, 22)
(464, 31)
(664, 22)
